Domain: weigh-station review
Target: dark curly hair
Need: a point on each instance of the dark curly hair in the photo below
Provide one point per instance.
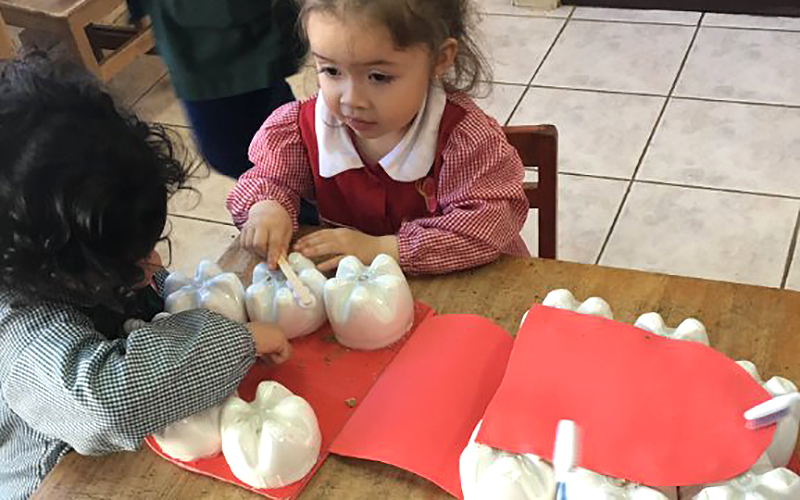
(83, 186)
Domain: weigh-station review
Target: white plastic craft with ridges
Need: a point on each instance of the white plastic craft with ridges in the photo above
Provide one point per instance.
(593, 306)
(690, 329)
(209, 289)
(270, 299)
(273, 441)
(781, 449)
(490, 474)
(369, 307)
(194, 437)
(764, 484)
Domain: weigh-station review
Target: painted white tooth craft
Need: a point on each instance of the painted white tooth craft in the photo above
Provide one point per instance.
(690, 329)
(369, 307)
(773, 484)
(273, 441)
(489, 473)
(271, 298)
(192, 438)
(783, 443)
(587, 485)
(209, 289)
(593, 306)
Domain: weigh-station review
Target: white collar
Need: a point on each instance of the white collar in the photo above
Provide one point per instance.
(410, 160)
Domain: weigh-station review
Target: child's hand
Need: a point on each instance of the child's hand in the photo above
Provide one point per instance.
(268, 231)
(343, 242)
(270, 341)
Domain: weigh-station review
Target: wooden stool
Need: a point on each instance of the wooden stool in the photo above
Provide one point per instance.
(75, 23)
(6, 47)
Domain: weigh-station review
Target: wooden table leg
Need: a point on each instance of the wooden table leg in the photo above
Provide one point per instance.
(6, 47)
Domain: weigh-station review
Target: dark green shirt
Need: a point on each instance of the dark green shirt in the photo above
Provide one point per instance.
(220, 48)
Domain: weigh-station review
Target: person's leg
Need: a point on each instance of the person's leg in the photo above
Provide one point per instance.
(223, 129)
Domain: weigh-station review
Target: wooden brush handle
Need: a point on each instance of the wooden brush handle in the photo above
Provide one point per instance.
(297, 286)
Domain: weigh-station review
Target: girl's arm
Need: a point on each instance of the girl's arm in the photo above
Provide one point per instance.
(482, 202)
(101, 396)
(281, 169)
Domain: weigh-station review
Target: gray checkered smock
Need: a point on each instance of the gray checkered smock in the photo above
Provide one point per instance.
(65, 386)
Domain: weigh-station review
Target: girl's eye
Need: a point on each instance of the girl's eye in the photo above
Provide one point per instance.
(329, 71)
(380, 78)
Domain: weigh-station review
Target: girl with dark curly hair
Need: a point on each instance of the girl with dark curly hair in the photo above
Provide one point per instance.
(83, 202)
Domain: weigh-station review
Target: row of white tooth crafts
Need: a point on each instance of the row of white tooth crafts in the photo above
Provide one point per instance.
(491, 474)
(368, 307)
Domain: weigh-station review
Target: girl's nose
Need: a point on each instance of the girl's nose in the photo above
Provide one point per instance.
(354, 97)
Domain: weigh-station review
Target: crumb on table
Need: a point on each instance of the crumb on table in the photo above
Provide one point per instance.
(350, 402)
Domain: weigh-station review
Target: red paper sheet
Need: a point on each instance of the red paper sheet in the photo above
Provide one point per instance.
(326, 375)
(420, 414)
(652, 410)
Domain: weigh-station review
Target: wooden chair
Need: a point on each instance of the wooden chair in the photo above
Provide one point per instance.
(6, 47)
(538, 146)
(75, 22)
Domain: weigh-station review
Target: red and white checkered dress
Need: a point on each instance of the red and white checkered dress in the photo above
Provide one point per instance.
(481, 204)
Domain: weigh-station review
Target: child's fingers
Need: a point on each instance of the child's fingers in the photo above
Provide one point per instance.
(282, 354)
(278, 245)
(330, 264)
(320, 245)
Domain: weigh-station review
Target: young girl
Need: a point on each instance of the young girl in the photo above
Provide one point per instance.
(393, 150)
(83, 202)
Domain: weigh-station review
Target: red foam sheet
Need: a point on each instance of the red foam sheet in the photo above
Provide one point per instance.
(326, 375)
(652, 410)
(420, 414)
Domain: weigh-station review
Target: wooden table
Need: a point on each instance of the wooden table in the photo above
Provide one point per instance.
(745, 322)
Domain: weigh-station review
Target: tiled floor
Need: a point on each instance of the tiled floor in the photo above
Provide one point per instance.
(680, 137)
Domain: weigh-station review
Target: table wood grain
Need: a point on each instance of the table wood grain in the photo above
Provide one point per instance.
(745, 322)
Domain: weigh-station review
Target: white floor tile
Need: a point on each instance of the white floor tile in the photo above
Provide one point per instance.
(599, 133)
(708, 234)
(193, 241)
(501, 101)
(129, 85)
(637, 58)
(727, 145)
(507, 7)
(637, 15)
(755, 22)
(161, 105)
(743, 65)
(586, 209)
(515, 46)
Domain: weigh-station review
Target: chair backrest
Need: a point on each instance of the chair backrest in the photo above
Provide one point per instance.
(538, 146)
(6, 47)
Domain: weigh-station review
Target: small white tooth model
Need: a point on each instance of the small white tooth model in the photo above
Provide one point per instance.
(209, 289)
(781, 449)
(192, 438)
(768, 484)
(690, 329)
(593, 306)
(271, 299)
(273, 441)
(369, 307)
(491, 474)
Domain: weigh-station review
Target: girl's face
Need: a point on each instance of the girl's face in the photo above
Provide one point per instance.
(366, 82)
